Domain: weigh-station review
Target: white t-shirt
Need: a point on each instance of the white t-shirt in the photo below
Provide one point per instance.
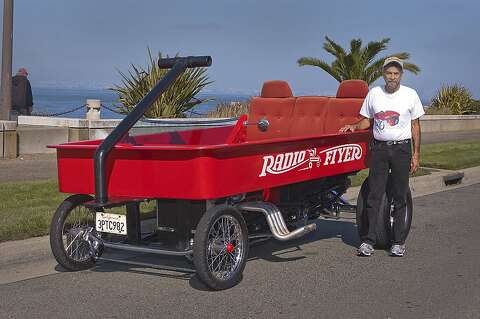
(392, 113)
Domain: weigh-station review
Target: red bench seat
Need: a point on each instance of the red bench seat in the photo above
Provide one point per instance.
(306, 115)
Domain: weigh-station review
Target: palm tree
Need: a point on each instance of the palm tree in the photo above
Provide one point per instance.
(360, 63)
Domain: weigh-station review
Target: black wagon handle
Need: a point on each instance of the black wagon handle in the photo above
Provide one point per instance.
(189, 61)
(177, 66)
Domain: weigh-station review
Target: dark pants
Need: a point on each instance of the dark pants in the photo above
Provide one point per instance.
(22, 110)
(394, 160)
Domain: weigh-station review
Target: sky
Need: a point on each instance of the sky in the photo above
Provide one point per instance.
(84, 43)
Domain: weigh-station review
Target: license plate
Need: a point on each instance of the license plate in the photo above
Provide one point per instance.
(111, 223)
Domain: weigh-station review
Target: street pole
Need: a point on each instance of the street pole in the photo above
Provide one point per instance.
(6, 86)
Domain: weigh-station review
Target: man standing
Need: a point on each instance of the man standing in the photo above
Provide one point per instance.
(394, 110)
(22, 101)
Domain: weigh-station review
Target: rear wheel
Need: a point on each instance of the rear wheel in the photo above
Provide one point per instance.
(71, 231)
(385, 222)
(221, 247)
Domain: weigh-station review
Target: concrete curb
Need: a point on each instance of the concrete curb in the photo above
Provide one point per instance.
(31, 258)
(25, 259)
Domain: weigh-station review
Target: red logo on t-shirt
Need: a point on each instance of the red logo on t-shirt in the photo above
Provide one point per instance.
(389, 117)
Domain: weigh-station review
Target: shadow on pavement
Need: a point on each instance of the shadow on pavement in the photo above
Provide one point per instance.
(326, 228)
(271, 251)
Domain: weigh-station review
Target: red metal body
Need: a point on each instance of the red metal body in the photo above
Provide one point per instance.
(209, 163)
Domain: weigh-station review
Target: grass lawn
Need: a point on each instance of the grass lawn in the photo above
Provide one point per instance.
(453, 156)
(26, 208)
(358, 179)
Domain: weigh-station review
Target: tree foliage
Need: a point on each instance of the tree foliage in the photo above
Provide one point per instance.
(360, 63)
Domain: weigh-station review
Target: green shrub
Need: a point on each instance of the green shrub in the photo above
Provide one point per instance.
(232, 109)
(436, 111)
(475, 106)
(174, 102)
(454, 99)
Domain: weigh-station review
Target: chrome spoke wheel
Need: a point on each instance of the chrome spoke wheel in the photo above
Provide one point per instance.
(225, 247)
(72, 233)
(76, 229)
(221, 247)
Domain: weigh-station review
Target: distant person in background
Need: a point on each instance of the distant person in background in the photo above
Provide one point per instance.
(22, 100)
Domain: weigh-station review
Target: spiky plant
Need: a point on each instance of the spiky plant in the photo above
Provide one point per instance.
(455, 98)
(475, 106)
(232, 109)
(360, 63)
(174, 102)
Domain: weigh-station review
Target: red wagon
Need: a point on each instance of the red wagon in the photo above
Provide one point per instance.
(210, 191)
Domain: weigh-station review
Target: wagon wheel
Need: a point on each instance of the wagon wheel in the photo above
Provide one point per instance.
(385, 224)
(221, 247)
(70, 233)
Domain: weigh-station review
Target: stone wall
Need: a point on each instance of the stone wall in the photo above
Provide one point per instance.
(449, 123)
(8, 139)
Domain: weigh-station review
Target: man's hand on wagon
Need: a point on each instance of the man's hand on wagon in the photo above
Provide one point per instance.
(349, 127)
(363, 124)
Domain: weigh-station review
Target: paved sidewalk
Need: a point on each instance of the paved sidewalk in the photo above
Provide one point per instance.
(24, 259)
(28, 168)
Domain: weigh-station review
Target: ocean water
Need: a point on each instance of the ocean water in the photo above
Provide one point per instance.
(50, 101)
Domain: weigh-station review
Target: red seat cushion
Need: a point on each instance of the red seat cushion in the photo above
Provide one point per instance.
(275, 105)
(341, 112)
(352, 89)
(309, 116)
(278, 112)
(303, 116)
(276, 88)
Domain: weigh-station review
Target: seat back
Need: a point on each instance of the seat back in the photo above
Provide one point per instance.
(309, 116)
(345, 107)
(275, 105)
(352, 89)
(341, 112)
(306, 115)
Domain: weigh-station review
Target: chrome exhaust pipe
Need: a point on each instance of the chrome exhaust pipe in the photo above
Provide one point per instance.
(275, 220)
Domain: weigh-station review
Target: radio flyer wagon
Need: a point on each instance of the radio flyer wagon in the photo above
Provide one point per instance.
(212, 191)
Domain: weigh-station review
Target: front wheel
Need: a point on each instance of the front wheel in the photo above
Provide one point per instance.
(221, 247)
(70, 232)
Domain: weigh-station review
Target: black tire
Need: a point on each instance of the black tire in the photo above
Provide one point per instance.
(72, 207)
(408, 216)
(211, 245)
(384, 223)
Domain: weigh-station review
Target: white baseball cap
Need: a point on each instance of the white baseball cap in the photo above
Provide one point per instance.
(393, 59)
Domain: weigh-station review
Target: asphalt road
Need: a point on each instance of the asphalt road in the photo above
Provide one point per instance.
(318, 276)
